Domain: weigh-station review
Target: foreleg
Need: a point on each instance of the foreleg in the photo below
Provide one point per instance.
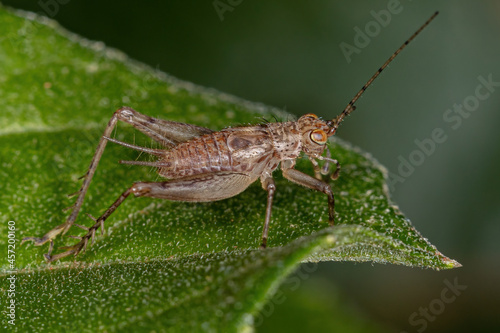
(315, 184)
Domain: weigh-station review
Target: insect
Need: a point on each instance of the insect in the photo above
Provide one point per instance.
(204, 165)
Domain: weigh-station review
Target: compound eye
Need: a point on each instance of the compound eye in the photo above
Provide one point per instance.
(319, 136)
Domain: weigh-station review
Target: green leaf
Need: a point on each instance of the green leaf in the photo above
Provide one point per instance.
(161, 264)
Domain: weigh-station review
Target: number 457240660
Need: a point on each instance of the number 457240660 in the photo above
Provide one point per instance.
(203, 165)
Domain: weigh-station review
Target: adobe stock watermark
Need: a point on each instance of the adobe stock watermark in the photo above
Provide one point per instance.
(221, 7)
(24, 36)
(420, 319)
(453, 118)
(11, 259)
(363, 37)
(51, 7)
(292, 283)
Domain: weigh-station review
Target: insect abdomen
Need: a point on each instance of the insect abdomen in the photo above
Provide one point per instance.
(208, 153)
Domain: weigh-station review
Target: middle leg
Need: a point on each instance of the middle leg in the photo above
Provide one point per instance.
(270, 187)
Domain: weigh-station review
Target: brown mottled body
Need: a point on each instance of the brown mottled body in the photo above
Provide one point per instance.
(202, 165)
(242, 149)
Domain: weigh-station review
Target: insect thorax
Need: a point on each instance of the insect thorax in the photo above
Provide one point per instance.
(286, 140)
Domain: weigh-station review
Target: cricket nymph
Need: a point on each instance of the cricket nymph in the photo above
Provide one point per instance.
(237, 156)
(204, 165)
(252, 149)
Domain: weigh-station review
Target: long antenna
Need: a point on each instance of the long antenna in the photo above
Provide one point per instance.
(350, 107)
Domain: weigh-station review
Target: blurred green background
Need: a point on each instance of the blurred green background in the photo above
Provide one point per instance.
(287, 54)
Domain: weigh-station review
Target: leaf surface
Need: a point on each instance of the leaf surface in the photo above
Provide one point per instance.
(161, 264)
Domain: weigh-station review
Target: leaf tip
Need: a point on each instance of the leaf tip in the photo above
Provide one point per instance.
(450, 263)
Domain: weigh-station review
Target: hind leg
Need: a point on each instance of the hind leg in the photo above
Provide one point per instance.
(210, 187)
(167, 133)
